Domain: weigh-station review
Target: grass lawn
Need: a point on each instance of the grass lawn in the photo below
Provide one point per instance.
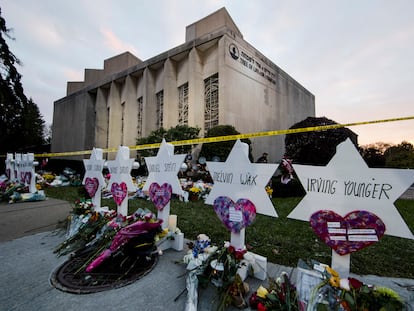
(283, 241)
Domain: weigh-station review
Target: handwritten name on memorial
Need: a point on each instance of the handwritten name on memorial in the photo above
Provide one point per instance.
(246, 179)
(94, 168)
(371, 190)
(119, 169)
(166, 167)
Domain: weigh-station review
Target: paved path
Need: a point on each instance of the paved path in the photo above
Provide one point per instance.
(26, 264)
(21, 219)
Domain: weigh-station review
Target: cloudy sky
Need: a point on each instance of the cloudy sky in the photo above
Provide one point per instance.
(356, 57)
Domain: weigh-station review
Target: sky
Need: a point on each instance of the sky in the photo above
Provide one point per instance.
(356, 57)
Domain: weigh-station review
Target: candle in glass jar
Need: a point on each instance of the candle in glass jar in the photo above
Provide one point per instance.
(172, 223)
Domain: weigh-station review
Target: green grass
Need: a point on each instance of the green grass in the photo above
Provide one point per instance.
(283, 241)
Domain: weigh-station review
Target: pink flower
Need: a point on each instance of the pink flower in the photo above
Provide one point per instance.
(253, 301)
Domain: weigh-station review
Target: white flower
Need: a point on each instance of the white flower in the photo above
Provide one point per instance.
(203, 237)
(344, 284)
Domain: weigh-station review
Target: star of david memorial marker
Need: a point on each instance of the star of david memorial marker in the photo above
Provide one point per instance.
(10, 167)
(161, 183)
(349, 205)
(93, 180)
(120, 182)
(238, 194)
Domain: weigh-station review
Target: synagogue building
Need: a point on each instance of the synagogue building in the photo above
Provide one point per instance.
(214, 78)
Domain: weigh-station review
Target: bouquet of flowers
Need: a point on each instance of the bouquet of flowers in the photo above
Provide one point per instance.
(84, 227)
(218, 266)
(350, 294)
(130, 239)
(194, 192)
(279, 295)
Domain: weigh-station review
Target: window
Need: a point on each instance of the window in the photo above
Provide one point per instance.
(183, 104)
(139, 117)
(211, 102)
(160, 109)
(122, 122)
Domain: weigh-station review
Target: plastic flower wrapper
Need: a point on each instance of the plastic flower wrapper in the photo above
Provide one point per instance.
(122, 237)
(207, 264)
(195, 258)
(334, 293)
(84, 231)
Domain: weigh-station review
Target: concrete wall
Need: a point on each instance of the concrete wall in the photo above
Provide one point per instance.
(73, 125)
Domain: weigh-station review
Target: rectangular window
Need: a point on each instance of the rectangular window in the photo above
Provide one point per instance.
(183, 104)
(122, 123)
(160, 109)
(211, 102)
(139, 117)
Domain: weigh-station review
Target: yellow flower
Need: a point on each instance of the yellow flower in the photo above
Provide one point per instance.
(334, 280)
(195, 190)
(162, 234)
(262, 292)
(332, 272)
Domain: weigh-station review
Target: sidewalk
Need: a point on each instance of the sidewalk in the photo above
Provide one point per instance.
(21, 219)
(28, 262)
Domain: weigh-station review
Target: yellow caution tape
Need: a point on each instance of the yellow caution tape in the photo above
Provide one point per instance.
(230, 137)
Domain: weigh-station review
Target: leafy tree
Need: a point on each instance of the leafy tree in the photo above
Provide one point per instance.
(33, 125)
(374, 157)
(221, 149)
(400, 156)
(19, 117)
(180, 132)
(316, 147)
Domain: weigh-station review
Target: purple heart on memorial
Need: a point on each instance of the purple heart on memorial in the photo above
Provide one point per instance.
(160, 195)
(119, 192)
(235, 216)
(91, 186)
(348, 234)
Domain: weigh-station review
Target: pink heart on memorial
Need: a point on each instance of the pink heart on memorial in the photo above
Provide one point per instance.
(91, 186)
(348, 234)
(235, 216)
(160, 195)
(119, 192)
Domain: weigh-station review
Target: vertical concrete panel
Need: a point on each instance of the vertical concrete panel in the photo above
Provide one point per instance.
(149, 109)
(170, 94)
(90, 121)
(115, 115)
(130, 111)
(102, 122)
(195, 90)
(181, 68)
